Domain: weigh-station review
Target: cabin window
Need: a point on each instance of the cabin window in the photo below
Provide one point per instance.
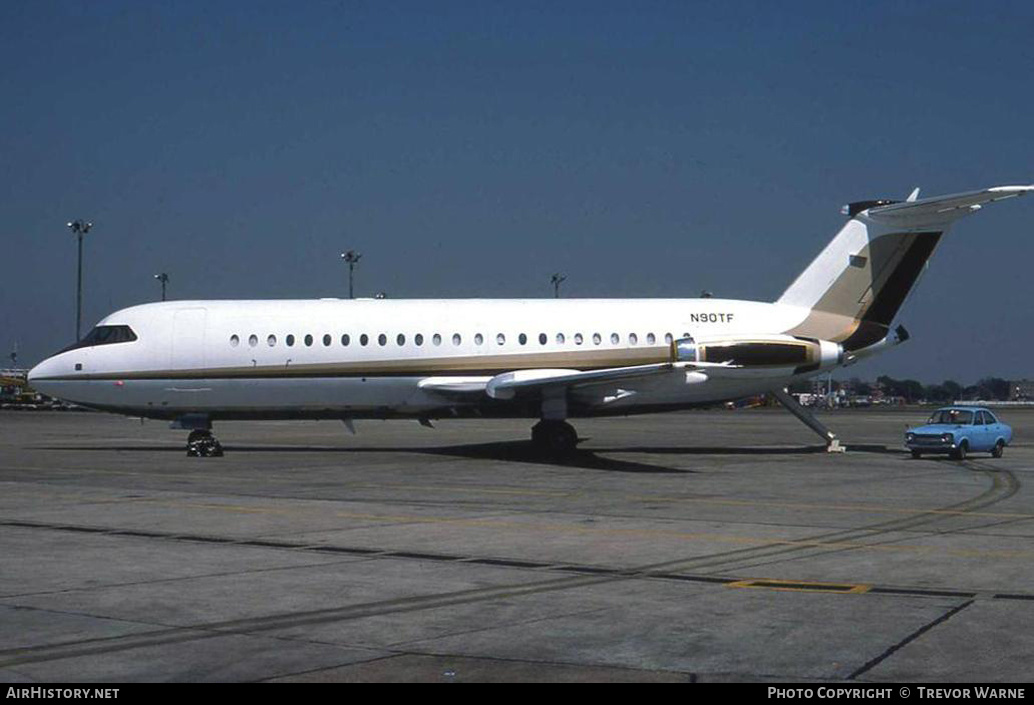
(382, 340)
(522, 339)
(235, 340)
(308, 341)
(668, 338)
(401, 340)
(500, 339)
(418, 339)
(596, 339)
(633, 339)
(252, 340)
(615, 338)
(651, 338)
(577, 338)
(542, 338)
(345, 340)
(436, 339)
(271, 341)
(326, 340)
(364, 340)
(290, 341)
(560, 339)
(456, 339)
(479, 339)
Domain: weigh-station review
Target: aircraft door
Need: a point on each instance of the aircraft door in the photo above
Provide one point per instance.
(188, 338)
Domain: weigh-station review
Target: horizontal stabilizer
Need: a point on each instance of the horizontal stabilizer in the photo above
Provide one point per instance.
(942, 209)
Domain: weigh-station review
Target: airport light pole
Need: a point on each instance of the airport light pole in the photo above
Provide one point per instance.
(557, 279)
(164, 279)
(80, 228)
(352, 259)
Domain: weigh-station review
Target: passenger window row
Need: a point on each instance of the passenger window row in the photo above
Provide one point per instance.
(436, 339)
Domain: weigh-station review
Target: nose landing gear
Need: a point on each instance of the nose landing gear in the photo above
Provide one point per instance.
(202, 444)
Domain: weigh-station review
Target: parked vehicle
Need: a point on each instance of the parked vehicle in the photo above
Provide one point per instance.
(958, 431)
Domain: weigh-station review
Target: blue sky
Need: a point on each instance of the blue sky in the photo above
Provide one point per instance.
(472, 149)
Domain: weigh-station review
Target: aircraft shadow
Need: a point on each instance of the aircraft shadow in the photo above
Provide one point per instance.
(523, 451)
(526, 452)
(504, 451)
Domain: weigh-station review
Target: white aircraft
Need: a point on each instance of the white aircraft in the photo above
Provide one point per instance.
(196, 362)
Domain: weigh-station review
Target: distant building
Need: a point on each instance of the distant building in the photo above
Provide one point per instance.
(12, 384)
(1021, 390)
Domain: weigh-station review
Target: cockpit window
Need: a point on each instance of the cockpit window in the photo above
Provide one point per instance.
(104, 335)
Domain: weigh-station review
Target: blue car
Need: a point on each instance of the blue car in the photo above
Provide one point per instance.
(958, 430)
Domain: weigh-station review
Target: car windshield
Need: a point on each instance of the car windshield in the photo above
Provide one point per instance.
(952, 416)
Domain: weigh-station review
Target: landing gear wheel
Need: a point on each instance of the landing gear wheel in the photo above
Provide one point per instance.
(999, 448)
(202, 444)
(554, 437)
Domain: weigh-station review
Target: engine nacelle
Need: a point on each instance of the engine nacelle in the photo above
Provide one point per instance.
(772, 351)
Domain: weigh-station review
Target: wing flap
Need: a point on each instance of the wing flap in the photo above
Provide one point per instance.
(508, 384)
(454, 385)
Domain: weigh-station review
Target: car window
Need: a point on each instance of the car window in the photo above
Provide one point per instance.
(952, 416)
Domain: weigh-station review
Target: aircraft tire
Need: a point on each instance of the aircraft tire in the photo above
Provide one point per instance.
(198, 435)
(554, 437)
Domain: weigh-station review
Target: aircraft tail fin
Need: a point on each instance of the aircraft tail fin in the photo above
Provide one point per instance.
(857, 284)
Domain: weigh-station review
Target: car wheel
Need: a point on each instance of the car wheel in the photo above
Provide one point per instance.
(960, 452)
(999, 448)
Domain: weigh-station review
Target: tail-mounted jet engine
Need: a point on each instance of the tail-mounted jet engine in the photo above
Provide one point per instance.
(803, 354)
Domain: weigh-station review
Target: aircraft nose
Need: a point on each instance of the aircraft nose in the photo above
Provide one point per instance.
(39, 374)
(34, 373)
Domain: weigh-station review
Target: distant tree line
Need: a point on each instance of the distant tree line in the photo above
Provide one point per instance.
(988, 388)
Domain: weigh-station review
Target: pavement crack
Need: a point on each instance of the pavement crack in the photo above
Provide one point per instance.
(909, 639)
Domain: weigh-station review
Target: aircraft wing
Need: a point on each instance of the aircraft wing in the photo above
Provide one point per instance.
(943, 209)
(508, 384)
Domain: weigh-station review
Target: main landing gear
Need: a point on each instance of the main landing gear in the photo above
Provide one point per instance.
(202, 444)
(554, 437)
